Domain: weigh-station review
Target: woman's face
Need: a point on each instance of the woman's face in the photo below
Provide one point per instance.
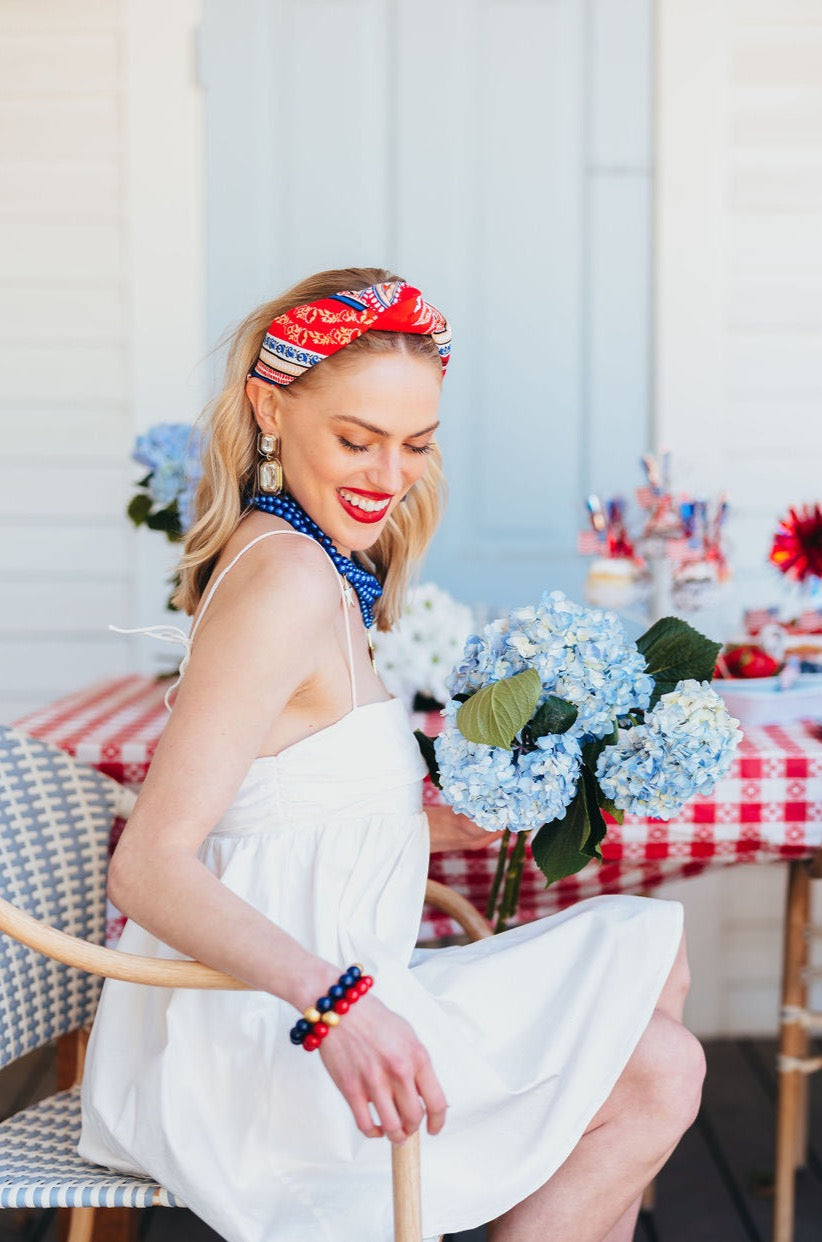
(354, 441)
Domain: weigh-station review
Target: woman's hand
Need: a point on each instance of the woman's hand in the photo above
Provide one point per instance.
(450, 831)
(374, 1057)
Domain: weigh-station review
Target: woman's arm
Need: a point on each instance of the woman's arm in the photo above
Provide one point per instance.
(256, 648)
(237, 682)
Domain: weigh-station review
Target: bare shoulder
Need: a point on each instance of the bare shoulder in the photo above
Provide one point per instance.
(286, 574)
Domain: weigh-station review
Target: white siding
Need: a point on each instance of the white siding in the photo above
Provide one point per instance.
(100, 216)
(738, 371)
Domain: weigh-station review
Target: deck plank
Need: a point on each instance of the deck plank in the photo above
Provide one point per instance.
(693, 1203)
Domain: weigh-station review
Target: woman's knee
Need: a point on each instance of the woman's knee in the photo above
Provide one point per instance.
(676, 987)
(667, 1072)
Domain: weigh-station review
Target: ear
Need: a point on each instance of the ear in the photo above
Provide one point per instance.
(266, 402)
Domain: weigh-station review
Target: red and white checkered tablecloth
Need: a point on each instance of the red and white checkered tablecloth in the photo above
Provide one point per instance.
(769, 807)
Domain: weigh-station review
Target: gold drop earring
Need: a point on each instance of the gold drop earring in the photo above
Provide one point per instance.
(270, 468)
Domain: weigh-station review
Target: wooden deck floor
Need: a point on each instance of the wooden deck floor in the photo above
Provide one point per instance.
(713, 1189)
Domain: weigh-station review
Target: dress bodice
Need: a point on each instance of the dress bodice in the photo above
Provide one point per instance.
(366, 763)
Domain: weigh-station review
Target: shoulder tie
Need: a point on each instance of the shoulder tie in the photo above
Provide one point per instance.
(166, 634)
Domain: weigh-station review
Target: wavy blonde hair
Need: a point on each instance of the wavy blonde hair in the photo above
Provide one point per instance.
(230, 453)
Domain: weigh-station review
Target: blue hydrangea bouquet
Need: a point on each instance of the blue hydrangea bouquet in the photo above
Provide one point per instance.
(555, 717)
(165, 496)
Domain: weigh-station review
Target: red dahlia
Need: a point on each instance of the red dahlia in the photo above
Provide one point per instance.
(797, 544)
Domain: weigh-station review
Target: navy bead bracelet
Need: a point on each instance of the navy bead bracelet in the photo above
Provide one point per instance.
(311, 1029)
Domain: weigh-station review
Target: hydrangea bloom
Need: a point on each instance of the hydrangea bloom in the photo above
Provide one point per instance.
(685, 745)
(519, 790)
(418, 653)
(171, 451)
(581, 654)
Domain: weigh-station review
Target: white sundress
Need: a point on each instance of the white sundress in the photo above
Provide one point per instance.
(527, 1031)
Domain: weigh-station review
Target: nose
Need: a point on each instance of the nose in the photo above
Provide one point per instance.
(387, 473)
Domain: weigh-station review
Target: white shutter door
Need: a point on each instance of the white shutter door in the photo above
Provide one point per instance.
(495, 152)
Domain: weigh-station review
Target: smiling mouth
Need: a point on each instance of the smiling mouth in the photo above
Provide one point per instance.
(372, 505)
(366, 509)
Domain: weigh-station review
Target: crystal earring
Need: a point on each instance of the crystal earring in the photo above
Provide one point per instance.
(270, 469)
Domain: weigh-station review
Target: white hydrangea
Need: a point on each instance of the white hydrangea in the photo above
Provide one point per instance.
(417, 655)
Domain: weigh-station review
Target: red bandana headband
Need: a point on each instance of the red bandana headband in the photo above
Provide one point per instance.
(302, 337)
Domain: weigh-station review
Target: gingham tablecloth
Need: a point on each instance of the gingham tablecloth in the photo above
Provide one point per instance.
(769, 807)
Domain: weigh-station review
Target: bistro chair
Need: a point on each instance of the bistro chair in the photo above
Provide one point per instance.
(55, 822)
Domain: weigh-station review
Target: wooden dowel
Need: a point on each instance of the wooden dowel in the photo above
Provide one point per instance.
(95, 959)
(459, 908)
(405, 1178)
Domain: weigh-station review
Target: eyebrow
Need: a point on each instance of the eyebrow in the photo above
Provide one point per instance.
(378, 431)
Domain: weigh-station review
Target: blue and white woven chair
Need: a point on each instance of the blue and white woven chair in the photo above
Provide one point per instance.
(55, 821)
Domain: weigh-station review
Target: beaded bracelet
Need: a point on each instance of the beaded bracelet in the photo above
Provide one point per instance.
(311, 1029)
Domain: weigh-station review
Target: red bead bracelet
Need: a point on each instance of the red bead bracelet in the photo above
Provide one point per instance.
(311, 1029)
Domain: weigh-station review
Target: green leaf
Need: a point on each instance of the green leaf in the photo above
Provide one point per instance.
(597, 826)
(556, 852)
(426, 745)
(555, 715)
(139, 508)
(593, 749)
(564, 846)
(167, 520)
(496, 713)
(613, 810)
(674, 651)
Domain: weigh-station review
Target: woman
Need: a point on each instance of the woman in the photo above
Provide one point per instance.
(279, 837)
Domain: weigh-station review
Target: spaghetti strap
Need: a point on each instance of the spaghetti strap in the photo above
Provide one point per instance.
(170, 633)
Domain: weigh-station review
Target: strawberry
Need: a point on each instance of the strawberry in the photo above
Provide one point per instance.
(749, 660)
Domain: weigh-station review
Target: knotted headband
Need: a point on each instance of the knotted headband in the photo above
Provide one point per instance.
(302, 337)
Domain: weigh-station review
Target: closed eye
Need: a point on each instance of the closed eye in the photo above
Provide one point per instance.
(363, 448)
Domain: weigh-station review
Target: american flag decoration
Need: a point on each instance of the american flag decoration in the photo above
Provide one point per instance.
(756, 619)
(590, 542)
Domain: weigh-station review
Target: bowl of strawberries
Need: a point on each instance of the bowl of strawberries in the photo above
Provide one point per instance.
(760, 688)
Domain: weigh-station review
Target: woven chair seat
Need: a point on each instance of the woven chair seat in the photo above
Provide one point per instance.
(40, 1167)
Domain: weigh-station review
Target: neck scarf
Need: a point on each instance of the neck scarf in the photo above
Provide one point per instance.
(302, 337)
(368, 588)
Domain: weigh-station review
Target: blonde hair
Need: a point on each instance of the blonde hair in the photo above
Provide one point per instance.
(230, 453)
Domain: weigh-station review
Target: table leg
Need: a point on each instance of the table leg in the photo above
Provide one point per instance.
(792, 1044)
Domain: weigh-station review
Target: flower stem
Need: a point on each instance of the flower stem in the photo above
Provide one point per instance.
(513, 880)
(491, 906)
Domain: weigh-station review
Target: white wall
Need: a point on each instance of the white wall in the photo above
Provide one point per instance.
(738, 392)
(101, 320)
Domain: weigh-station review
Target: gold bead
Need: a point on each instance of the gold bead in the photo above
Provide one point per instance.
(331, 1018)
(360, 968)
(312, 1014)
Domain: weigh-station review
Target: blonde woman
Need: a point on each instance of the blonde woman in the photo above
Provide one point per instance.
(280, 837)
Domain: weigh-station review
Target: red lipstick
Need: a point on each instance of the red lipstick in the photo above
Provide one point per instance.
(361, 515)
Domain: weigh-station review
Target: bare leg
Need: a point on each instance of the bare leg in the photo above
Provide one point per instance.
(594, 1195)
(671, 1002)
(625, 1228)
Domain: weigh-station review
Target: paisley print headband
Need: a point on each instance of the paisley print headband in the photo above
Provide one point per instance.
(302, 337)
